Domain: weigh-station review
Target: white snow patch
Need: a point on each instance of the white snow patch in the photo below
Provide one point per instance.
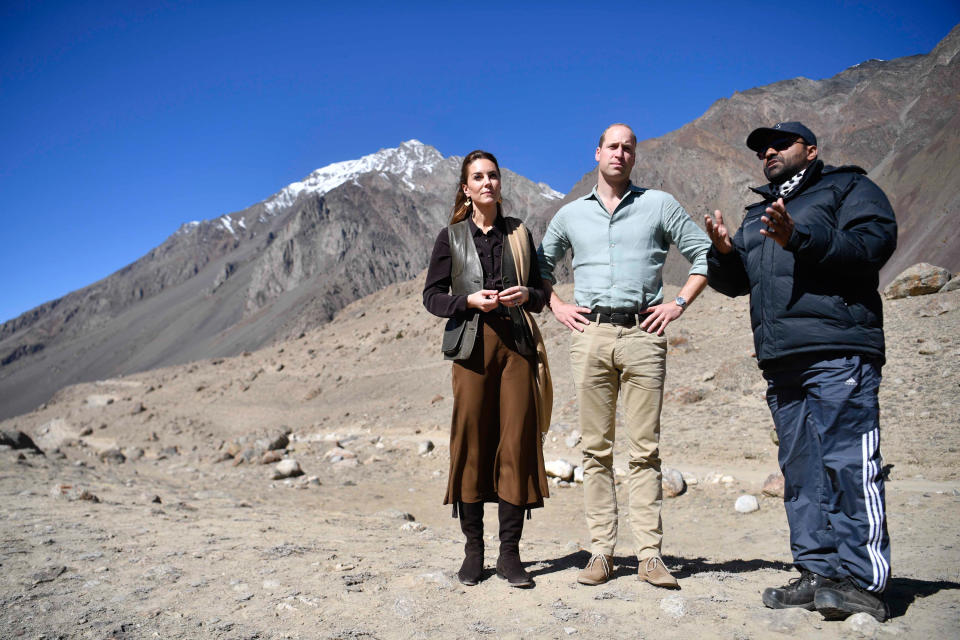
(226, 222)
(410, 158)
(548, 192)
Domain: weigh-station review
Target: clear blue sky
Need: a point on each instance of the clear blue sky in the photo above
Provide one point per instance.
(119, 121)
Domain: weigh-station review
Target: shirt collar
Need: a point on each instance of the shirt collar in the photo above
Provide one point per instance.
(499, 226)
(594, 195)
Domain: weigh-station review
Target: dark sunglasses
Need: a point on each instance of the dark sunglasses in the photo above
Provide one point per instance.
(780, 144)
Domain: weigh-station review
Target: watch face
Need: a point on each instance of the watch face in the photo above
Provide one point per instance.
(681, 301)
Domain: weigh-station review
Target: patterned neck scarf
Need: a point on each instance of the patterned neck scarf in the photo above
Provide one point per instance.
(784, 190)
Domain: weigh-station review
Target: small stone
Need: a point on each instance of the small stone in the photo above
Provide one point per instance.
(573, 439)
(424, 447)
(672, 483)
(559, 469)
(288, 468)
(437, 398)
(690, 479)
(413, 526)
(138, 408)
(395, 514)
(280, 440)
(773, 485)
(746, 504)
(231, 449)
(339, 453)
(113, 456)
(271, 456)
(134, 453)
(864, 624)
(726, 479)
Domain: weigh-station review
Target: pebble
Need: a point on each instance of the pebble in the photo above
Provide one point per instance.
(573, 439)
(773, 485)
(864, 624)
(338, 454)
(746, 504)
(395, 514)
(672, 482)
(559, 469)
(578, 475)
(113, 456)
(425, 447)
(271, 456)
(287, 469)
(413, 526)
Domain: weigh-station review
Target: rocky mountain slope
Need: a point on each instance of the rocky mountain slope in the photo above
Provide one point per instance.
(898, 119)
(222, 286)
(153, 514)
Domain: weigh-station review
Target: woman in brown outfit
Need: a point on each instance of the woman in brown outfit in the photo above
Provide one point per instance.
(496, 453)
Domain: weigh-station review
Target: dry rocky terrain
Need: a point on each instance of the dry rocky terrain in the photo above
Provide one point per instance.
(151, 515)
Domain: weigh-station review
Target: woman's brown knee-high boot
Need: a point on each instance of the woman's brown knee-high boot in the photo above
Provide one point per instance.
(471, 523)
(509, 566)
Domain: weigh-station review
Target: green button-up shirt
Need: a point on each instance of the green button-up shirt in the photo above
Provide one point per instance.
(618, 258)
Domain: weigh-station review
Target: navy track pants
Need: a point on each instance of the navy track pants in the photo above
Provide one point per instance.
(827, 417)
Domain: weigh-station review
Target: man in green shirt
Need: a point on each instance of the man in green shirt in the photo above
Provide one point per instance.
(619, 235)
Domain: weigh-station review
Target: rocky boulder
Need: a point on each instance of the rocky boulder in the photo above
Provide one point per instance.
(918, 280)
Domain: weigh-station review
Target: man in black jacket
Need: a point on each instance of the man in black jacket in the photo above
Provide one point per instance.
(809, 255)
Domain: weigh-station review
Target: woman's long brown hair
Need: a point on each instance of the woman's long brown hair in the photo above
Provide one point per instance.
(461, 208)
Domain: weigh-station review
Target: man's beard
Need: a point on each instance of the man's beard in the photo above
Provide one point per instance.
(781, 172)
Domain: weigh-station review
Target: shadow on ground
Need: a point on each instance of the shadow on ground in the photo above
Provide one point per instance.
(680, 567)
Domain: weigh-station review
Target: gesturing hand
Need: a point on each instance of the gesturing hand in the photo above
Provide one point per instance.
(718, 232)
(484, 300)
(779, 223)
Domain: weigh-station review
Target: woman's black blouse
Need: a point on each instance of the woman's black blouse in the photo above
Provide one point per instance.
(436, 293)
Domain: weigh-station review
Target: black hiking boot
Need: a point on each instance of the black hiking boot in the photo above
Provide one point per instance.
(799, 592)
(843, 599)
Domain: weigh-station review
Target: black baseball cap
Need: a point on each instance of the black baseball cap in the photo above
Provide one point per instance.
(759, 139)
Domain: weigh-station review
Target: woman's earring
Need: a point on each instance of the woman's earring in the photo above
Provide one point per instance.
(469, 202)
(499, 199)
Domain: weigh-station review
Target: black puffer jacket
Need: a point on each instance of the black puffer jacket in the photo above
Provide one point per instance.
(819, 293)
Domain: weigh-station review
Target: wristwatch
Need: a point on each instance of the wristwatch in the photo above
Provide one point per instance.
(681, 302)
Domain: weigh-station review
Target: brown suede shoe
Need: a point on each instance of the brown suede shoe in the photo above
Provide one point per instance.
(597, 571)
(652, 570)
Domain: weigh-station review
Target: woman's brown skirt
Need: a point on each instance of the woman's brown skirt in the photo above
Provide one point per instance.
(495, 447)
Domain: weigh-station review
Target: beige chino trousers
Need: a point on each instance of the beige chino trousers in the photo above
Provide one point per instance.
(608, 361)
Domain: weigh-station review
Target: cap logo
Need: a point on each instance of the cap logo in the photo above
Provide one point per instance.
(777, 126)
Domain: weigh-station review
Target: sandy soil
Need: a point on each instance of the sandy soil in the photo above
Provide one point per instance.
(177, 541)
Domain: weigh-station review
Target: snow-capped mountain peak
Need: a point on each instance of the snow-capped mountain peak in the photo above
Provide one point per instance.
(403, 161)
